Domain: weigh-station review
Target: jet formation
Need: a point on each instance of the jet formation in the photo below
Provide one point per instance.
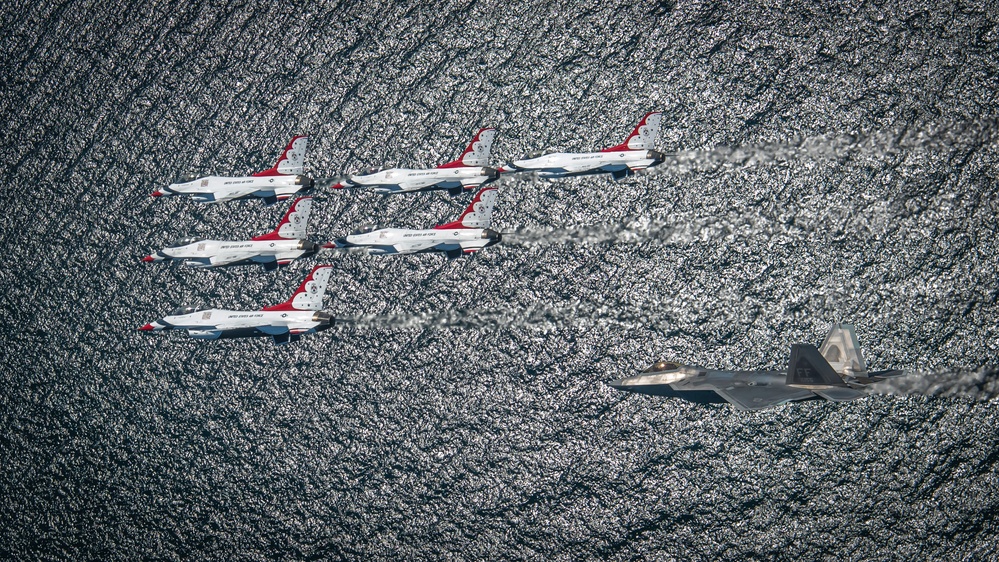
(835, 371)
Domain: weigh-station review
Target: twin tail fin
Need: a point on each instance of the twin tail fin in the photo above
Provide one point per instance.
(479, 213)
(292, 160)
(644, 135)
(295, 223)
(477, 152)
(309, 295)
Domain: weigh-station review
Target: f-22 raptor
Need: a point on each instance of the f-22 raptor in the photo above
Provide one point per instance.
(637, 152)
(835, 371)
(282, 246)
(469, 172)
(277, 183)
(467, 235)
(285, 322)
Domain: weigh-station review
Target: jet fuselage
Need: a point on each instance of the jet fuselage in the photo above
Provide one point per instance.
(403, 180)
(217, 323)
(451, 241)
(214, 189)
(619, 163)
(700, 385)
(217, 253)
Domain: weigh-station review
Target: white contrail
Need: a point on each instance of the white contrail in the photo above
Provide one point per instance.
(981, 385)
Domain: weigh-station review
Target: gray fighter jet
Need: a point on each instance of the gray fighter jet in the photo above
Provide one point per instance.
(834, 371)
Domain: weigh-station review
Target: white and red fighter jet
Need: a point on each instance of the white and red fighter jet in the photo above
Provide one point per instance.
(283, 245)
(636, 153)
(467, 173)
(467, 235)
(280, 182)
(285, 322)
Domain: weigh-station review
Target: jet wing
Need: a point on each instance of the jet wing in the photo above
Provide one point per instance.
(412, 247)
(232, 257)
(746, 397)
(234, 193)
(273, 330)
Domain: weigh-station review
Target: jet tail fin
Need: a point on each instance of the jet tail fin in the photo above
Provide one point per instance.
(808, 369)
(309, 295)
(294, 224)
(644, 135)
(842, 350)
(477, 152)
(479, 213)
(292, 160)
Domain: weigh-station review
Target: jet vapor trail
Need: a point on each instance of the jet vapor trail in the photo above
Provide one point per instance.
(980, 385)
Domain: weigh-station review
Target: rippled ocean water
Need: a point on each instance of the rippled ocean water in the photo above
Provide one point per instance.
(828, 162)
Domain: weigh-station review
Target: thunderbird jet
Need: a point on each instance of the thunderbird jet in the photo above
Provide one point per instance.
(835, 371)
(282, 246)
(467, 235)
(637, 152)
(467, 173)
(275, 184)
(285, 322)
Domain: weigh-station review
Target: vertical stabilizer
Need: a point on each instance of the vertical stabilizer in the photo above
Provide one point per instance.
(808, 369)
(292, 160)
(842, 350)
(477, 152)
(309, 295)
(644, 136)
(479, 213)
(294, 224)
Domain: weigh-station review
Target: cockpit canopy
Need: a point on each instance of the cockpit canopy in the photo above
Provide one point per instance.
(663, 366)
(540, 153)
(364, 229)
(188, 177)
(182, 310)
(185, 241)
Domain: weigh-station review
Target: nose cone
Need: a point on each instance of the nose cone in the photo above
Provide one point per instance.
(148, 259)
(156, 193)
(619, 384)
(147, 328)
(338, 185)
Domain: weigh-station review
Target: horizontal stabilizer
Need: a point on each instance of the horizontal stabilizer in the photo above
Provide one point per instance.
(808, 369)
(837, 394)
